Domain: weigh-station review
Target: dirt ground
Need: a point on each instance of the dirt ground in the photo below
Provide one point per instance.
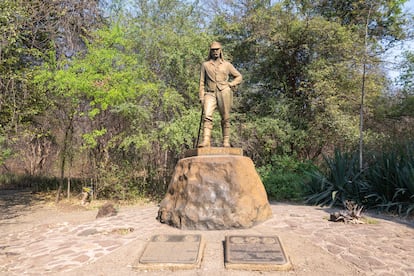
(23, 210)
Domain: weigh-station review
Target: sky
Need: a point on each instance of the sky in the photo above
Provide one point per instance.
(410, 5)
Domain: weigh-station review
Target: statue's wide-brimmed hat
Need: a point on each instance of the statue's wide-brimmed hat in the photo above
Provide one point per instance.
(215, 45)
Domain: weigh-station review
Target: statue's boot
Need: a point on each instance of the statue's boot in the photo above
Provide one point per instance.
(206, 136)
(226, 134)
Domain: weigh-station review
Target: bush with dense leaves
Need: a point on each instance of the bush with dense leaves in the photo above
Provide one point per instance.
(284, 178)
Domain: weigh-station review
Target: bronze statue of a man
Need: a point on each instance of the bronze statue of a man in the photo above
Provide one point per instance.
(216, 91)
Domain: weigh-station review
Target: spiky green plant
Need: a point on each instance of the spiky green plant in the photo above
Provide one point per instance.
(341, 180)
(391, 178)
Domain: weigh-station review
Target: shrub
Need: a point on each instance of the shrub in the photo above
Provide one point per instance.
(391, 177)
(284, 178)
(37, 183)
(5, 152)
(387, 183)
(340, 180)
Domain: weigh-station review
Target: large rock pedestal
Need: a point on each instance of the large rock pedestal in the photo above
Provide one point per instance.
(214, 192)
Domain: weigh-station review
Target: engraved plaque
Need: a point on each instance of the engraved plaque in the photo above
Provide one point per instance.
(255, 252)
(172, 249)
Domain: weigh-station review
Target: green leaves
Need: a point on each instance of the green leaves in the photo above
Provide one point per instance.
(387, 182)
(90, 138)
(172, 43)
(126, 93)
(406, 79)
(284, 177)
(341, 181)
(385, 18)
(137, 81)
(391, 177)
(5, 151)
(181, 132)
(298, 55)
(109, 74)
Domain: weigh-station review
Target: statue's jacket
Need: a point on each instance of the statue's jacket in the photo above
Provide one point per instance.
(215, 78)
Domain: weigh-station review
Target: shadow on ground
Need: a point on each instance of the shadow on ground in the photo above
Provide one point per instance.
(14, 203)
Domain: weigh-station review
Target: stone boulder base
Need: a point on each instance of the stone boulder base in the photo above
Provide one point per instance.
(215, 192)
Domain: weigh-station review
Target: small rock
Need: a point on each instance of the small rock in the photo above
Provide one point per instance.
(106, 210)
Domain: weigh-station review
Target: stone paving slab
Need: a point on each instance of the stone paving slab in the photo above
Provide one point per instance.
(65, 246)
(385, 247)
(359, 244)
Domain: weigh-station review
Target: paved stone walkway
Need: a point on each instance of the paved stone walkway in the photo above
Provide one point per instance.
(384, 247)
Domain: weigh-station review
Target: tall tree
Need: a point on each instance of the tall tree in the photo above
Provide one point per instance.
(406, 78)
(385, 22)
(133, 86)
(296, 56)
(380, 23)
(300, 71)
(32, 32)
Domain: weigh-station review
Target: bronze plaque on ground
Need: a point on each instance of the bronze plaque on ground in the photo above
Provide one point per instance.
(172, 251)
(255, 253)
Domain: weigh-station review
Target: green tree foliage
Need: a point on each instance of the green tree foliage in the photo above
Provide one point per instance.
(407, 75)
(118, 102)
(394, 112)
(31, 30)
(4, 150)
(378, 23)
(120, 98)
(301, 70)
(385, 19)
(15, 99)
(170, 36)
(285, 177)
(135, 92)
(406, 105)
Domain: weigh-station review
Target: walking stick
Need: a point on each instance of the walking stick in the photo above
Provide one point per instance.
(199, 126)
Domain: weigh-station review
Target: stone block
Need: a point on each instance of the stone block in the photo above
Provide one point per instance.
(215, 192)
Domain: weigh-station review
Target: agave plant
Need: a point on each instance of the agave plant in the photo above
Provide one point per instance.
(342, 181)
(392, 181)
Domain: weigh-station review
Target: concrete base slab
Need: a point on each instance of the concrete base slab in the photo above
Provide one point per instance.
(255, 253)
(172, 252)
(213, 151)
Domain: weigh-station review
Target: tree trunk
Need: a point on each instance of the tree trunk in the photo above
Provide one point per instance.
(361, 111)
(69, 186)
(66, 140)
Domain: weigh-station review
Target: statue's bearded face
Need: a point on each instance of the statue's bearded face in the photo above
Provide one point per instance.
(215, 52)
